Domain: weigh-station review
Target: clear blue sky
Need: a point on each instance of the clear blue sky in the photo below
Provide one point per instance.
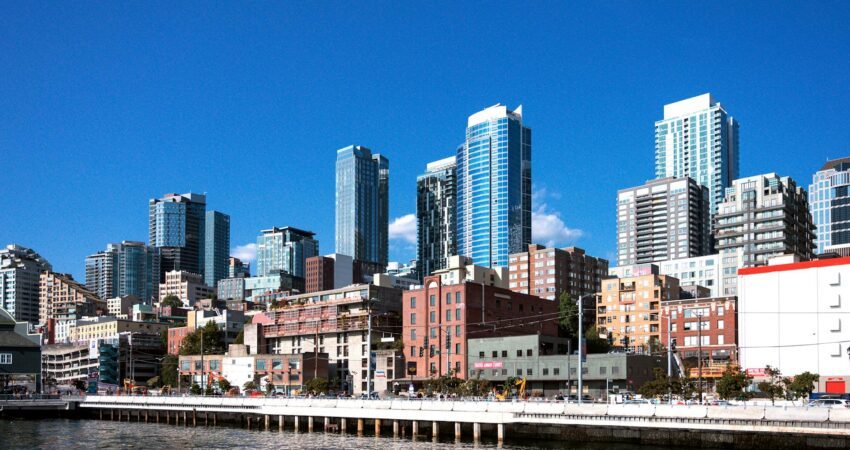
(104, 105)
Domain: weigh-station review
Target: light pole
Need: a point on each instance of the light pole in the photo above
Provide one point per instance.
(580, 344)
(669, 356)
(369, 351)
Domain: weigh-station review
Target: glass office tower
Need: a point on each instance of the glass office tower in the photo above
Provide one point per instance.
(285, 249)
(128, 268)
(436, 219)
(362, 204)
(217, 247)
(829, 201)
(177, 225)
(494, 187)
(697, 138)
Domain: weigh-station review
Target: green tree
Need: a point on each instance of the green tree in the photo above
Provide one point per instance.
(172, 301)
(213, 341)
(732, 383)
(269, 388)
(596, 344)
(195, 389)
(568, 313)
(79, 385)
(168, 370)
(153, 382)
(223, 384)
(802, 385)
(774, 386)
(657, 387)
(209, 390)
(249, 385)
(240, 338)
(316, 386)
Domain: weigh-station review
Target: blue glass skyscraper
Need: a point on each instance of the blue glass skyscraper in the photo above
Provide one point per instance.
(285, 249)
(494, 187)
(362, 204)
(829, 202)
(217, 247)
(177, 227)
(128, 268)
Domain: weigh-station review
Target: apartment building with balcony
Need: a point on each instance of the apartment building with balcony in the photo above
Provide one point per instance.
(703, 328)
(61, 298)
(547, 272)
(629, 309)
(187, 286)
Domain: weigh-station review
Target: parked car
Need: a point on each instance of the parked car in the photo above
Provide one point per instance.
(829, 403)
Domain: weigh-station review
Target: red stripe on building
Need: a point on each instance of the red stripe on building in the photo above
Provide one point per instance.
(795, 266)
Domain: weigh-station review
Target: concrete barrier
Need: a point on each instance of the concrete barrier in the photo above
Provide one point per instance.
(437, 406)
(505, 407)
(631, 410)
(841, 415)
(471, 406)
(406, 405)
(797, 414)
(543, 408)
(379, 404)
(573, 409)
(681, 411)
(324, 403)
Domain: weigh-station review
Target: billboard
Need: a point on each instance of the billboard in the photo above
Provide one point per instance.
(489, 365)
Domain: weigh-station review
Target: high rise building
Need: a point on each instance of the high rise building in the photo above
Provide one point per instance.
(125, 269)
(494, 187)
(436, 202)
(829, 201)
(188, 287)
(62, 299)
(547, 272)
(362, 193)
(697, 138)
(329, 272)
(217, 247)
(20, 268)
(764, 216)
(285, 249)
(663, 219)
(177, 225)
(238, 269)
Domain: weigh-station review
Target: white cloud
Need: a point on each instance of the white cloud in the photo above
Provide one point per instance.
(404, 228)
(247, 252)
(547, 227)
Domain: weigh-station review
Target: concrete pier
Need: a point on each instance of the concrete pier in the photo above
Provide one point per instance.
(280, 423)
(395, 428)
(457, 431)
(500, 432)
(310, 424)
(342, 424)
(296, 423)
(435, 429)
(476, 432)
(360, 426)
(415, 431)
(327, 424)
(377, 427)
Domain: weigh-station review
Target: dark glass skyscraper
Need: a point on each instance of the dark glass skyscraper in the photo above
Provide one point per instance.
(362, 204)
(177, 226)
(435, 215)
(128, 268)
(494, 187)
(217, 247)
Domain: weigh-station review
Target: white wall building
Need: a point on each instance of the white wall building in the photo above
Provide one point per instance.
(704, 271)
(796, 317)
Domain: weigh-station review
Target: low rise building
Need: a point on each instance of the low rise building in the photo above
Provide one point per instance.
(440, 316)
(61, 364)
(62, 298)
(122, 306)
(231, 288)
(187, 286)
(714, 272)
(548, 368)
(547, 272)
(793, 316)
(20, 353)
(287, 372)
(705, 329)
(230, 323)
(106, 328)
(629, 309)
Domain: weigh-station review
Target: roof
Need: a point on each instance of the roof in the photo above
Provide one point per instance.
(795, 266)
(10, 338)
(6, 318)
(835, 162)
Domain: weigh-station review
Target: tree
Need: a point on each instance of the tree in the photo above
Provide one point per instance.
(79, 385)
(153, 382)
(172, 301)
(269, 388)
(213, 341)
(249, 385)
(209, 390)
(568, 313)
(802, 385)
(596, 344)
(657, 387)
(240, 338)
(195, 389)
(774, 386)
(732, 383)
(168, 371)
(223, 384)
(316, 386)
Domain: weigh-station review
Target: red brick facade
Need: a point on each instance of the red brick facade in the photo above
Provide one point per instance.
(720, 327)
(449, 314)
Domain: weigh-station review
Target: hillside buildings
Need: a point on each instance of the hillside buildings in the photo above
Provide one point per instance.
(128, 268)
(547, 272)
(20, 269)
(362, 204)
(436, 215)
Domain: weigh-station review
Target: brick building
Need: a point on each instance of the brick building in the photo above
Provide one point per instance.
(438, 319)
(719, 322)
(630, 308)
(546, 272)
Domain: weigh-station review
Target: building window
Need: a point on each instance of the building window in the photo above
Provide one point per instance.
(413, 302)
(720, 339)
(457, 349)
(214, 365)
(504, 353)
(528, 371)
(448, 298)
(198, 366)
(261, 364)
(433, 332)
(412, 350)
(545, 371)
(457, 314)
(448, 315)
(603, 370)
(519, 372)
(433, 300)
(184, 365)
(504, 371)
(556, 371)
(528, 352)
(720, 324)
(413, 334)
(457, 330)
(433, 316)
(413, 318)
(457, 297)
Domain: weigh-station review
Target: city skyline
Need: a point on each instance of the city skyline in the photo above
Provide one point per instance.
(593, 131)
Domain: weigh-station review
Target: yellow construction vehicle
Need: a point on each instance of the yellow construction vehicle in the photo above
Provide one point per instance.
(520, 391)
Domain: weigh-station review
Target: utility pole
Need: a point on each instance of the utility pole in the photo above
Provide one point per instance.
(369, 352)
(669, 357)
(580, 346)
(202, 358)
(699, 353)
(316, 352)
